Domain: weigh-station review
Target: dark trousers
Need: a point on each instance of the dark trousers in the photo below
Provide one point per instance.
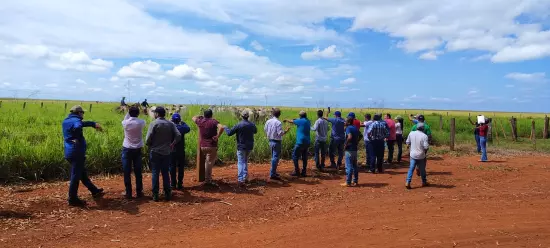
(300, 152)
(320, 152)
(177, 165)
(399, 142)
(371, 156)
(391, 149)
(378, 147)
(336, 146)
(79, 173)
(131, 158)
(160, 164)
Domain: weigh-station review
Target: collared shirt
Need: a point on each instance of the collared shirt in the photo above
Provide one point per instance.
(338, 132)
(419, 144)
(208, 128)
(378, 130)
(366, 133)
(274, 129)
(133, 132)
(302, 133)
(245, 131)
(161, 135)
(321, 128)
(352, 145)
(357, 124)
(73, 137)
(391, 127)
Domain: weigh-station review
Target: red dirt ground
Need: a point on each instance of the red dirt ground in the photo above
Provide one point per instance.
(502, 203)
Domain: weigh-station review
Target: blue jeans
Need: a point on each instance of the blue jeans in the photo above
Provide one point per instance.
(79, 173)
(336, 146)
(177, 166)
(320, 151)
(421, 163)
(300, 152)
(275, 146)
(478, 143)
(483, 143)
(351, 167)
(378, 147)
(131, 158)
(371, 157)
(242, 164)
(160, 164)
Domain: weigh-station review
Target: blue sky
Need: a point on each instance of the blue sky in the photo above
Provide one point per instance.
(444, 54)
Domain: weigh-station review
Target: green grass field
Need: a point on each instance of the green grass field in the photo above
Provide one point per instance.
(31, 143)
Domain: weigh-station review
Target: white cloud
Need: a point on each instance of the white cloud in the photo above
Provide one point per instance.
(187, 72)
(95, 89)
(114, 79)
(348, 81)
(440, 99)
(306, 97)
(431, 55)
(527, 77)
(79, 61)
(473, 92)
(214, 86)
(148, 85)
(29, 51)
(237, 36)
(256, 45)
(51, 85)
(307, 80)
(328, 53)
(80, 81)
(140, 69)
(510, 86)
(190, 92)
(411, 98)
(482, 57)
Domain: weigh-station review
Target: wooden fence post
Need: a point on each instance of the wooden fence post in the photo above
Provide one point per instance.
(200, 159)
(533, 134)
(440, 123)
(65, 107)
(90, 108)
(0, 104)
(513, 123)
(24, 105)
(452, 134)
(544, 132)
(41, 104)
(447, 113)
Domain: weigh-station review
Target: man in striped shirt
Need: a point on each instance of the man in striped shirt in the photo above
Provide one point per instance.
(274, 130)
(377, 132)
(321, 128)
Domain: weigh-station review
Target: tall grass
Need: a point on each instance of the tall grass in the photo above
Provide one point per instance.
(31, 142)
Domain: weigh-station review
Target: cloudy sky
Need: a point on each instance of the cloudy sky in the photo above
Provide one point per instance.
(440, 54)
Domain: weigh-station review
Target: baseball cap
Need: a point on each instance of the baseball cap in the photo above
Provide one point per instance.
(421, 117)
(176, 116)
(302, 112)
(245, 113)
(337, 113)
(77, 109)
(351, 114)
(399, 117)
(160, 110)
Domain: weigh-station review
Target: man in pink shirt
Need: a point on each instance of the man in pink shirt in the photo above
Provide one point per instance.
(391, 138)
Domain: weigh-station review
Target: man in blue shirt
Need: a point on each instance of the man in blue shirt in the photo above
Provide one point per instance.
(178, 153)
(75, 153)
(302, 143)
(378, 131)
(351, 143)
(337, 138)
(245, 131)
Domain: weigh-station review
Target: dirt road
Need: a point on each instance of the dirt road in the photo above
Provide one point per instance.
(503, 203)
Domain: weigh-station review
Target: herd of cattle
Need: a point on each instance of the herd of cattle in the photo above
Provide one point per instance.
(257, 115)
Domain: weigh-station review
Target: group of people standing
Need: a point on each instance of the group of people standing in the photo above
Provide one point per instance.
(165, 141)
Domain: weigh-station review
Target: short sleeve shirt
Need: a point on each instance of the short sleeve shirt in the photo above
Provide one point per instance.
(208, 128)
(352, 145)
(303, 132)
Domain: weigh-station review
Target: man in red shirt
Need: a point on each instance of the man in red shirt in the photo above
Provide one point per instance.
(483, 130)
(390, 141)
(210, 130)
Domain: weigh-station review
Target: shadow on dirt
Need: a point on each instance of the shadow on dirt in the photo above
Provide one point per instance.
(10, 214)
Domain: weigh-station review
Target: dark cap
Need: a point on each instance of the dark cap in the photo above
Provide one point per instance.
(160, 110)
(421, 117)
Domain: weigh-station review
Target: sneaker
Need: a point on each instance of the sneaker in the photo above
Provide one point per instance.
(77, 203)
(303, 174)
(345, 185)
(277, 178)
(180, 186)
(354, 184)
(426, 184)
(167, 195)
(140, 195)
(155, 197)
(408, 185)
(295, 174)
(127, 196)
(99, 193)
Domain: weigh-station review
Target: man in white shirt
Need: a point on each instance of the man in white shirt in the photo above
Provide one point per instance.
(418, 144)
(131, 151)
(274, 130)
